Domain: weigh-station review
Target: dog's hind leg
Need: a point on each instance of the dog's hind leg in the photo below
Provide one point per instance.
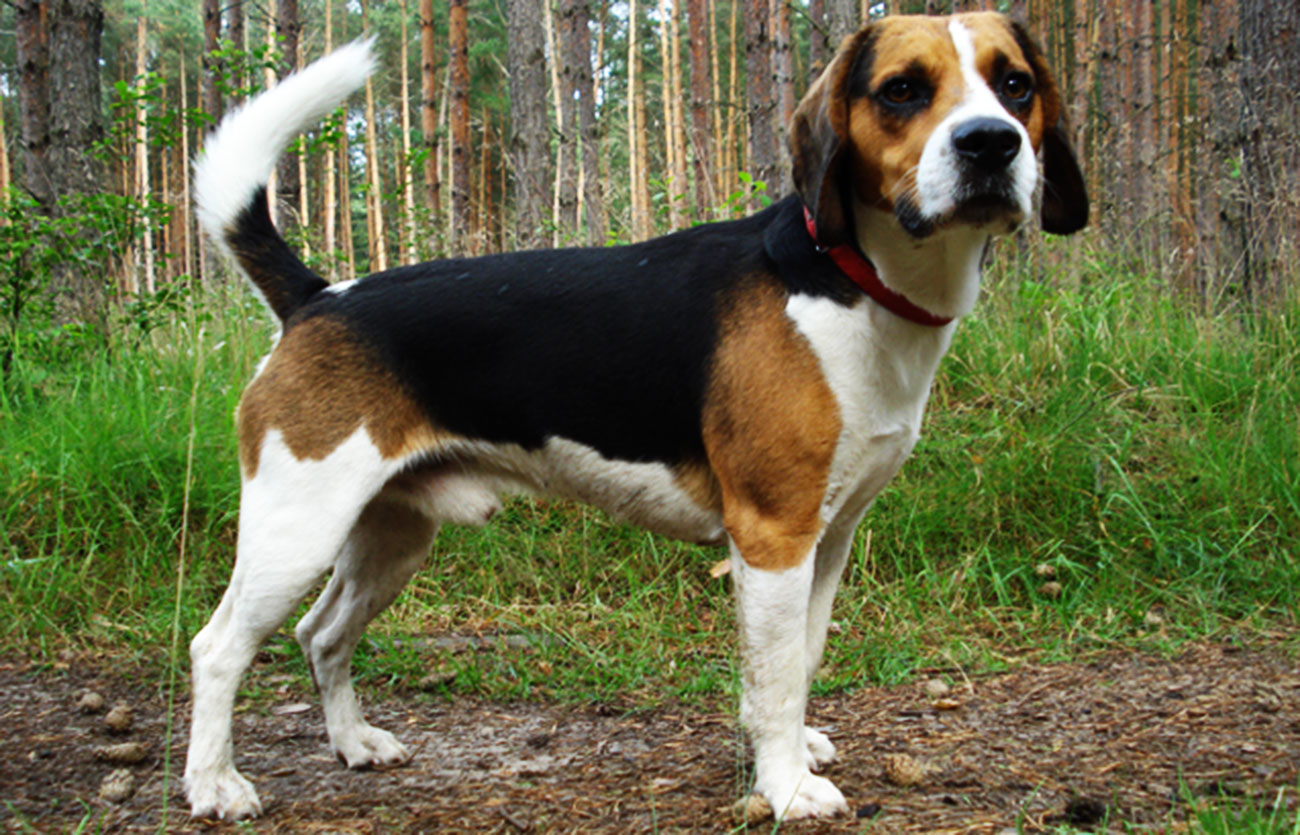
(385, 548)
(294, 519)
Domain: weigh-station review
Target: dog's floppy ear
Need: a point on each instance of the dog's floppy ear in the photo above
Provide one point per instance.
(1065, 196)
(819, 137)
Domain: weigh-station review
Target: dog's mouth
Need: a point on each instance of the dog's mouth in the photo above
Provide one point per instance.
(976, 205)
(986, 208)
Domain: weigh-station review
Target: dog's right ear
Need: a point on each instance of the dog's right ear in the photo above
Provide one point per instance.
(819, 141)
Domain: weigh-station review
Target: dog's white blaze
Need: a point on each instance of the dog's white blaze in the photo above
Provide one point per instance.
(938, 174)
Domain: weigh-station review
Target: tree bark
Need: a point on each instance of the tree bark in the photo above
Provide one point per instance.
(640, 201)
(239, 38)
(783, 79)
(1270, 116)
(530, 157)
(580, 122)
(329, 173)
(287, 28)
(145, 266)
(211, 67)
(700, 131)
(762, 109)
(32, 38)
(458, 37)
(375, 192)
(429, 107)
(76, 124)
(404, 164)
(842, 19)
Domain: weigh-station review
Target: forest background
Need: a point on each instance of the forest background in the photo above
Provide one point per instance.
(1112, 452)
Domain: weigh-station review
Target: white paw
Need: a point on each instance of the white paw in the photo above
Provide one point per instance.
(364, 746)
(806, 796)
(819, 751)
(221, 794)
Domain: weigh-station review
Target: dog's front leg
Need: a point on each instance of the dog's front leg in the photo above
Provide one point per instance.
(773, 611)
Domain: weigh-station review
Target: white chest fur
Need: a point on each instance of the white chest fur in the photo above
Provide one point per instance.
(880, 369)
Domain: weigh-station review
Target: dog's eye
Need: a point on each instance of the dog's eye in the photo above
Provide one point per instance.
(1017, 86)
(900, 91)
(905, 94)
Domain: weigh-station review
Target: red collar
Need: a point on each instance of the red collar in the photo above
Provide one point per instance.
(863, 273)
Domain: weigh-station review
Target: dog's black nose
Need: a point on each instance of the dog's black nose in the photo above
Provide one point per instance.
(988, 144)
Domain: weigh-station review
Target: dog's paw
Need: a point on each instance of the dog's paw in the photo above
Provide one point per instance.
(222, 794)
(818, 749)
(365, 746)
(806, 796)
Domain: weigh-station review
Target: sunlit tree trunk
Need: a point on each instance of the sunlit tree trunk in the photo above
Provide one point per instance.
(329, 175)
(211, 69)
(641, 228)
(458, 36)
(238, 37)
(378, 240)
(700, 137)
(429, 107)
(287, 28)
(404, 165)
(145, 265)
(762, 103)
(32, 38)
(530, 158)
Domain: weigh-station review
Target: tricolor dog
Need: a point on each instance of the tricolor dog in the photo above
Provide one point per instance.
(754, 382)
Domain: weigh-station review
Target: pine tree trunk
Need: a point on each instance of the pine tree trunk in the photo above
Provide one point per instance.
(672, 187)
(842, 19)
(429, 107)
(238, 37)
(287, 28)
(700, 136)
(76, 124)
(579, 119)
(404, 164)
(641, 224)
(681, 185)
(731, 168)
(530, 158)
(762, 110)
(211, 68)
(329, 174)
(568, 164)
(145, 265)
(783, 78)
(32, 37)
(378, 240)
(458, 37)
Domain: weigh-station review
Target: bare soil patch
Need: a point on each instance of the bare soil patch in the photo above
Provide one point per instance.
(1125, 738)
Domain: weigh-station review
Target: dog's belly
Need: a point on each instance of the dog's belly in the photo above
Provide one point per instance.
(466, 485)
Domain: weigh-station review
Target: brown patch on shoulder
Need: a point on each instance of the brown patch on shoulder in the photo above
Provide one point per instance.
(771, 425)
(319, 385)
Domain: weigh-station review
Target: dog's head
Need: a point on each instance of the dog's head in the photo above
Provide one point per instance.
(940, 121)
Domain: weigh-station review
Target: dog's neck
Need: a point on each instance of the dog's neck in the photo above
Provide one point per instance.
(939, 273)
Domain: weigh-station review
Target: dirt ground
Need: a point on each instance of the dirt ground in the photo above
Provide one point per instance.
(1121, 741)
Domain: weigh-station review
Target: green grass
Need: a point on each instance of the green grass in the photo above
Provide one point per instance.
(1085, 420)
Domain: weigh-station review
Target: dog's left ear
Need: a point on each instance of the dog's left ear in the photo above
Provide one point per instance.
(819, 142)
(1065, 196)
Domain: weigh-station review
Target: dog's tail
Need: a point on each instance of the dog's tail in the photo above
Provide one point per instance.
(230, 177)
